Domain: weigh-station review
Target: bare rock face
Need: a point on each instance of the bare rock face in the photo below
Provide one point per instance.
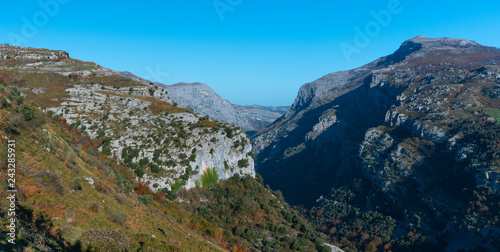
(419, 124)
(203, 100)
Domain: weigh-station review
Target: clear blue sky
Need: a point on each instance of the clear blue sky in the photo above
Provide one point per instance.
(254, 52)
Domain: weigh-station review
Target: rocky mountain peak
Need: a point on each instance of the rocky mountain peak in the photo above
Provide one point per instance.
(442, 42)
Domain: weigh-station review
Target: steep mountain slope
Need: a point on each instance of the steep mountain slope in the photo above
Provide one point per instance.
(73, 198)
(413, 134)
(98, 163)
(138, 123)
(203, 100)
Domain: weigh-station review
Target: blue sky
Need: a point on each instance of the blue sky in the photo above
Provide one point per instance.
(250, 52)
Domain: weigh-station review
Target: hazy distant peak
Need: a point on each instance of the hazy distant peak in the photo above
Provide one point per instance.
(204, 100)
(194, 84)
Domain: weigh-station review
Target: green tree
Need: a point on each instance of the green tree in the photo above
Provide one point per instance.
(25, 109)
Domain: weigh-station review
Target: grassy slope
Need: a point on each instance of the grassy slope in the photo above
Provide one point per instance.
(61, 210)
(58, 209)
(46, 185)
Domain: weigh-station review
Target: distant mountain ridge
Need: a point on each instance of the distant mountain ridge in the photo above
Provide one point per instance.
(203, 100)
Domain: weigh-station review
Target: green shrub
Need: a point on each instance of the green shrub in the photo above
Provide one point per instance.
(252, 234)
(106, 140)
(187, 173)
(20, 99)
(106, 150)
(4, 102)
(239, 231)
(25, 109)
(143, 161)
(154, 168)
(229, 132)
(259, 179)
(51, 181)
(100, 133)
(77, 184)
(145, 199)
(156, 155)
(192, 158)
(209, 177)
(139, 171)
(325, 249)
(128, 153)
(242, 163)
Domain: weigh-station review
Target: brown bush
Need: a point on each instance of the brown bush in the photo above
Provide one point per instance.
(94, 207)
(117, 216)
(4, 118)
(106, 240)
(143, 189)
(120, 198)
(16, 124)
(51, 181)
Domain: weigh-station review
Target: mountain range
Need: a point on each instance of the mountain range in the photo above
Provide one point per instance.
(401, 154)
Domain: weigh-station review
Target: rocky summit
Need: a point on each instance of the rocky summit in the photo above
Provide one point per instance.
(415, 135)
